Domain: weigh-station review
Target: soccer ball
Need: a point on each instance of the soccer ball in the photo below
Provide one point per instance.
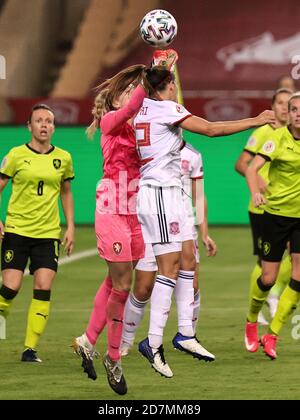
(158, 28)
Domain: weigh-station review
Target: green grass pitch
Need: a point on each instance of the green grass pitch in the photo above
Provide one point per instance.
(235, 374)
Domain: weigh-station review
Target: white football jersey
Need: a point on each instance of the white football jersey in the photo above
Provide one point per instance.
(191, 168)
(159, 140)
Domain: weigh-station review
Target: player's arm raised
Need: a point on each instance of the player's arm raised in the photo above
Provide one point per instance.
(222, 128)
(252, 179)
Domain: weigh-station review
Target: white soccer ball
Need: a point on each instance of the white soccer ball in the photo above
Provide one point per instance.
(158, 28)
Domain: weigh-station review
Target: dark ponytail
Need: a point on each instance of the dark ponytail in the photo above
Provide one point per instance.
(158, 77)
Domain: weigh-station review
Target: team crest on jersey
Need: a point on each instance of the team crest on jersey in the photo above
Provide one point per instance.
(8, 256)
(251, 142)
(185, 165)
(179, 109)
(56, 163)
(117, 247)
(174, 228)
(269, 147)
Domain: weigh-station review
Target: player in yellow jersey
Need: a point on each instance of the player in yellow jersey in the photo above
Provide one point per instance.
(40, 173)
(257, 139)
(281, 224)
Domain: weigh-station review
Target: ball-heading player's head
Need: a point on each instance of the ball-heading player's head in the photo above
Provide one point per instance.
(163, 83)
(280, 101)
(294, 111)
(41, 123)
(115, 92)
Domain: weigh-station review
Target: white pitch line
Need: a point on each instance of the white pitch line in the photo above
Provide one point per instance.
(78, 256)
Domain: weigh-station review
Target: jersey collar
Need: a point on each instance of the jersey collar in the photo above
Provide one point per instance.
(182, 144)
(39, 153)
(290, 131)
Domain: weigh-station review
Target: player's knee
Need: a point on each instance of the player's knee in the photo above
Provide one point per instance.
(123, 286)
(188, 262)
(143, 292)
(171, 272)
(268, 278)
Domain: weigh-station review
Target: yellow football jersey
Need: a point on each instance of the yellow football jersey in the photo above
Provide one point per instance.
(36, 182)
(283, 194)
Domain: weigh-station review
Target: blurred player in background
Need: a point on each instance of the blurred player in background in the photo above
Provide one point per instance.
(40, 173)
(257, 139)
(192, 178)
(119, 236)
(287, 82)
(160, 205)
(281, 224)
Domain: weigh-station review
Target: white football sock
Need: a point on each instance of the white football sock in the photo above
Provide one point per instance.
(133, 315)
(161, 300)
(196, 310)
(184, 294)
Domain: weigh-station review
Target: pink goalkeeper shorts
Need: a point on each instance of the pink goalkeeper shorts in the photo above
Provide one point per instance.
(119, 237)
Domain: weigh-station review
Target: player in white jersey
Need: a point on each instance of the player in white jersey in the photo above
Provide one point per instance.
(191, 178)
(160, 205)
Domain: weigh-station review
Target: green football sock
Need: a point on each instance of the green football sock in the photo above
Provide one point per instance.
(286, 306)
(6, 299)
(283, 277)
(258, 295)
(256, 272)
(37, 318)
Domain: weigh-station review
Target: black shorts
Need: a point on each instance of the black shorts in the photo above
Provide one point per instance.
(256, 223)
(277, 231)
(17, 249)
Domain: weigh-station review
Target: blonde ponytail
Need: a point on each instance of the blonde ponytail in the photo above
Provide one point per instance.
(109, 90)
(99, 109)
(91, 130)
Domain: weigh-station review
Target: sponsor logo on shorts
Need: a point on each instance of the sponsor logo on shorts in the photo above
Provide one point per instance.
(8, 256)
(117, 247)
(266, 248)
(174, 228)
(56, 163)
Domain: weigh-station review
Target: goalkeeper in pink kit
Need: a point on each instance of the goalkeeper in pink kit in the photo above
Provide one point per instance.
(119, 236)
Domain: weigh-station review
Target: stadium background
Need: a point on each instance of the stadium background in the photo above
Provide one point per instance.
(231, 57)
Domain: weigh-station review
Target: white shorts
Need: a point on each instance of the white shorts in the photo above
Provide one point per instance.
(161, 214)
(189, 232)
(148, 263)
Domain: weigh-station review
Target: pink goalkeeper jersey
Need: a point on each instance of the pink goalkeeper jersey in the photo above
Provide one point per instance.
(116, 191)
